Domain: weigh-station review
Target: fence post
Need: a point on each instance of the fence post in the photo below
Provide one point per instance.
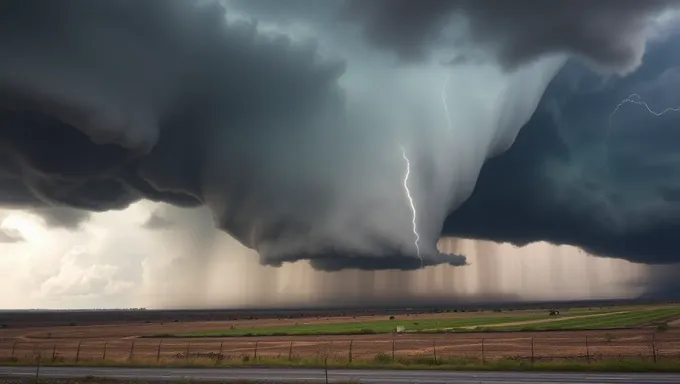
(654, 346)
(14, 348)
(290, 351)
(587, 350)
(350, 350)
(54, 352)
(255, 352)
(483, 356)
(106, 344)
(158, 352)
(78, 351)
(325, 367)
(434, 350)
(37, 371)
(132, 350)
(532, 350)
(221, 349)
(188, 350)
(393, 349)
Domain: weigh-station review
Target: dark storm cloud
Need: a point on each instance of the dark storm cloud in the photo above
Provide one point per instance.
(290, 10)
(10, 236)
(565, 180)
(606, 32)
(62, 217)
(16, 194)
(103, 103)
(145, 80)
(336, 261)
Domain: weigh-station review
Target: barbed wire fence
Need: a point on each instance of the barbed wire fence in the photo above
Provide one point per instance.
(434, 349)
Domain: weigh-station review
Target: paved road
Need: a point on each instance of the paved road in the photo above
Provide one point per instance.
(287, 375)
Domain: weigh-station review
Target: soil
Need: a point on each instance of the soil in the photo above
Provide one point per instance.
(117, 342)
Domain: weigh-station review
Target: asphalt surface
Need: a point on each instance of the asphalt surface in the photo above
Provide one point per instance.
(288, 375)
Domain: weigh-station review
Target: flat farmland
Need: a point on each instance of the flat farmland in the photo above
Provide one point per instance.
(612, 318)
(135, 341)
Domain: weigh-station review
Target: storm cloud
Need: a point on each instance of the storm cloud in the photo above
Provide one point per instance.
(296, 153)
(62, 217)
(9, 236)
(571, 178)
(158, 221)
(608, 33)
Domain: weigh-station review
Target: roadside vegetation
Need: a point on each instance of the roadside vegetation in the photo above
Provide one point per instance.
(104, 380)
(385, 361)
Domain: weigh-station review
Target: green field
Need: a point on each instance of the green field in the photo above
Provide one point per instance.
(364, 327)
(579, 319)
(627, 319)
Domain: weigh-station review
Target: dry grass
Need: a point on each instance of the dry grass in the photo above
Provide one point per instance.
(117, 343)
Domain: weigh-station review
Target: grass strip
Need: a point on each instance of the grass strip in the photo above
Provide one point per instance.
(383, 361)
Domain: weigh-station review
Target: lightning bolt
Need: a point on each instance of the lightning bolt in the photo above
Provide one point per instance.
(446, 102)
(637, 100)
(407, 191)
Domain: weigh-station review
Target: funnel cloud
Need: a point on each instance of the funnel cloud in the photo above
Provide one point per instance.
(287, 122)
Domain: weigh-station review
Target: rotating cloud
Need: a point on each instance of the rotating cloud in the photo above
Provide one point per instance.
(297, 153)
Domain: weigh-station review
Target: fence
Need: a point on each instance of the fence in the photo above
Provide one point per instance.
(432, 348)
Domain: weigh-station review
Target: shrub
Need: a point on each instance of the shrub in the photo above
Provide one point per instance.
(382, 358)
(662, 327)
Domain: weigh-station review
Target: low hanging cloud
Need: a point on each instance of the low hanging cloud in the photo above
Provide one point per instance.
(169, 101)
(158, 221)
(62, 217)
(10, 235)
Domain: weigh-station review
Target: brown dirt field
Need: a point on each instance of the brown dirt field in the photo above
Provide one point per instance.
(118, 342)
(132, 330)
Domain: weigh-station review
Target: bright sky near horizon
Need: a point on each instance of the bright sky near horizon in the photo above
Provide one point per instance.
(114, 261)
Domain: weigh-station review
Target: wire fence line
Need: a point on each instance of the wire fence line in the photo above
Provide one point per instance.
(644, 346)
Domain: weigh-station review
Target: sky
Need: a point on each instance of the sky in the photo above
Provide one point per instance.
(154, 154)
(114, 261)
